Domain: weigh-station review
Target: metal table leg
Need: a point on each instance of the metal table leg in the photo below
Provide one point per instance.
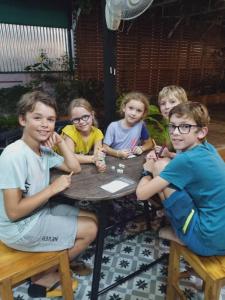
(102, 217)
(99, 250)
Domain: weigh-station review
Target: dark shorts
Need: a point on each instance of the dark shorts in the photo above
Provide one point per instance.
(55, 230)
(184, 218)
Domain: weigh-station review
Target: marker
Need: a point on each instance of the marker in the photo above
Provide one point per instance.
(133, 144)
(161, 151)
(154, 144)
(71, 173)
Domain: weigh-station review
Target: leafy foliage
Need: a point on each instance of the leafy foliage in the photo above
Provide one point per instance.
(8, 99)
(8, 122)
(44, 63)
(157, 126)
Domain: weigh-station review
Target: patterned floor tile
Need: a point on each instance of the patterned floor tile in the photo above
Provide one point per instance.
(121, 258)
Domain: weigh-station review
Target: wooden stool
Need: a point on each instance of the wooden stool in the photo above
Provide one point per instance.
(211, 269)
(17, 266)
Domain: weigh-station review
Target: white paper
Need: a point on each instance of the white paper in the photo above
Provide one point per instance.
(114, 186)
(131, 156)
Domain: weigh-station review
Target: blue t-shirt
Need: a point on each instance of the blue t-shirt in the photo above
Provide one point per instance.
(201, 172)
(118, 137)
(21, 167)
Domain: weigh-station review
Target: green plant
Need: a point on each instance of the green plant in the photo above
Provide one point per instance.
(44, 63)
(8, 122)
(9, 98)
(157, 126)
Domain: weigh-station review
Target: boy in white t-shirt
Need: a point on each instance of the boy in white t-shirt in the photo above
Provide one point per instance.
(27, 222)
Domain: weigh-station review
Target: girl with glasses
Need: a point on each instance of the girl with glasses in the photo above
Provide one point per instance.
(82, 136)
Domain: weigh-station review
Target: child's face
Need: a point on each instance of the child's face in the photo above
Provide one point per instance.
(38, 124)
(82, 119)
(133, 112)
(166, 104)
(185, 137)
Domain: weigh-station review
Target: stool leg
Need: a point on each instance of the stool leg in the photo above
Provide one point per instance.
(65, 276)
(212, 290)
(173, 272)
(6, 290)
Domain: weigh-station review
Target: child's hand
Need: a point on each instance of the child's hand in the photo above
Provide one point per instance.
(100, 160)
(138, 150)
(53, 140)
(61, 183)
(101, 166)
(158, 152)
(151, 155)
(123, 153)
(148, 165)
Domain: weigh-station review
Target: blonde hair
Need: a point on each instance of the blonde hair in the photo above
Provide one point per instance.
(81, 102)
(137, 96)
(192, 110)
(173, 91)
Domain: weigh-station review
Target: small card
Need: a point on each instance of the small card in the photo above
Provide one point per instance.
(114, 186)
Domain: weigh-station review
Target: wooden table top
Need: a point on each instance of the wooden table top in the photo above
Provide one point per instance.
(86, 184)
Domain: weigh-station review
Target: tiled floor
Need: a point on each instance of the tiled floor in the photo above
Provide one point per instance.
(122, 256)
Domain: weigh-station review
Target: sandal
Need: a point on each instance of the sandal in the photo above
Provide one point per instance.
(38, 291)
(80, 268)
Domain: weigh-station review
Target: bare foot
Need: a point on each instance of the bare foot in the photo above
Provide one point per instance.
(168, 234)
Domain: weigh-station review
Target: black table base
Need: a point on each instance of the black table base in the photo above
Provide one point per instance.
(102, 232)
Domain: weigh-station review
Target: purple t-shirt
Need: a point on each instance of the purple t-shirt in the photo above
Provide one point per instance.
(118, 137)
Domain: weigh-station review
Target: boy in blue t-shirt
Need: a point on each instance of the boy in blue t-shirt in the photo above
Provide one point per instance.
(27, 221)
(192, 184)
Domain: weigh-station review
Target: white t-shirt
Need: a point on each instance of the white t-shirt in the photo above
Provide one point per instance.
(21, 167)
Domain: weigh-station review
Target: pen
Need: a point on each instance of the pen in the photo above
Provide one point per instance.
(154, 144)
(161, 151)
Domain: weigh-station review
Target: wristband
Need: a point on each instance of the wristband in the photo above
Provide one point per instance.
(146, 173)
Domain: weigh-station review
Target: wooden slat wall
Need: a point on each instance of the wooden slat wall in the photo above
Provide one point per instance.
(147, 59)
(89, 46)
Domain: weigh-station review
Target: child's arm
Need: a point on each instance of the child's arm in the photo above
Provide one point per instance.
(99, 156)
(147, 145)
(17, 206)
(148, 187)
(71, 162)
(124, 153)
(82, 158)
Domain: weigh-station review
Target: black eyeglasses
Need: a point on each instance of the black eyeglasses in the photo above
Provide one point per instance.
(84, 118)
(183, 128)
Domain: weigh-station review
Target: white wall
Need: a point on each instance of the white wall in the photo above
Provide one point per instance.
(9, 80)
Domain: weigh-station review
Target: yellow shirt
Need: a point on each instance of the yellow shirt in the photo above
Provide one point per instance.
(81, 145)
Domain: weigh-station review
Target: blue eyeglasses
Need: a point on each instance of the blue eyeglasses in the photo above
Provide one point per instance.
(84, 118)
(182, 128)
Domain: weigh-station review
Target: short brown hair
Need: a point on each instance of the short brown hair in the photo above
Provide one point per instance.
(28, 101)
(193, 110)
(138, 97)
(173, 91)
